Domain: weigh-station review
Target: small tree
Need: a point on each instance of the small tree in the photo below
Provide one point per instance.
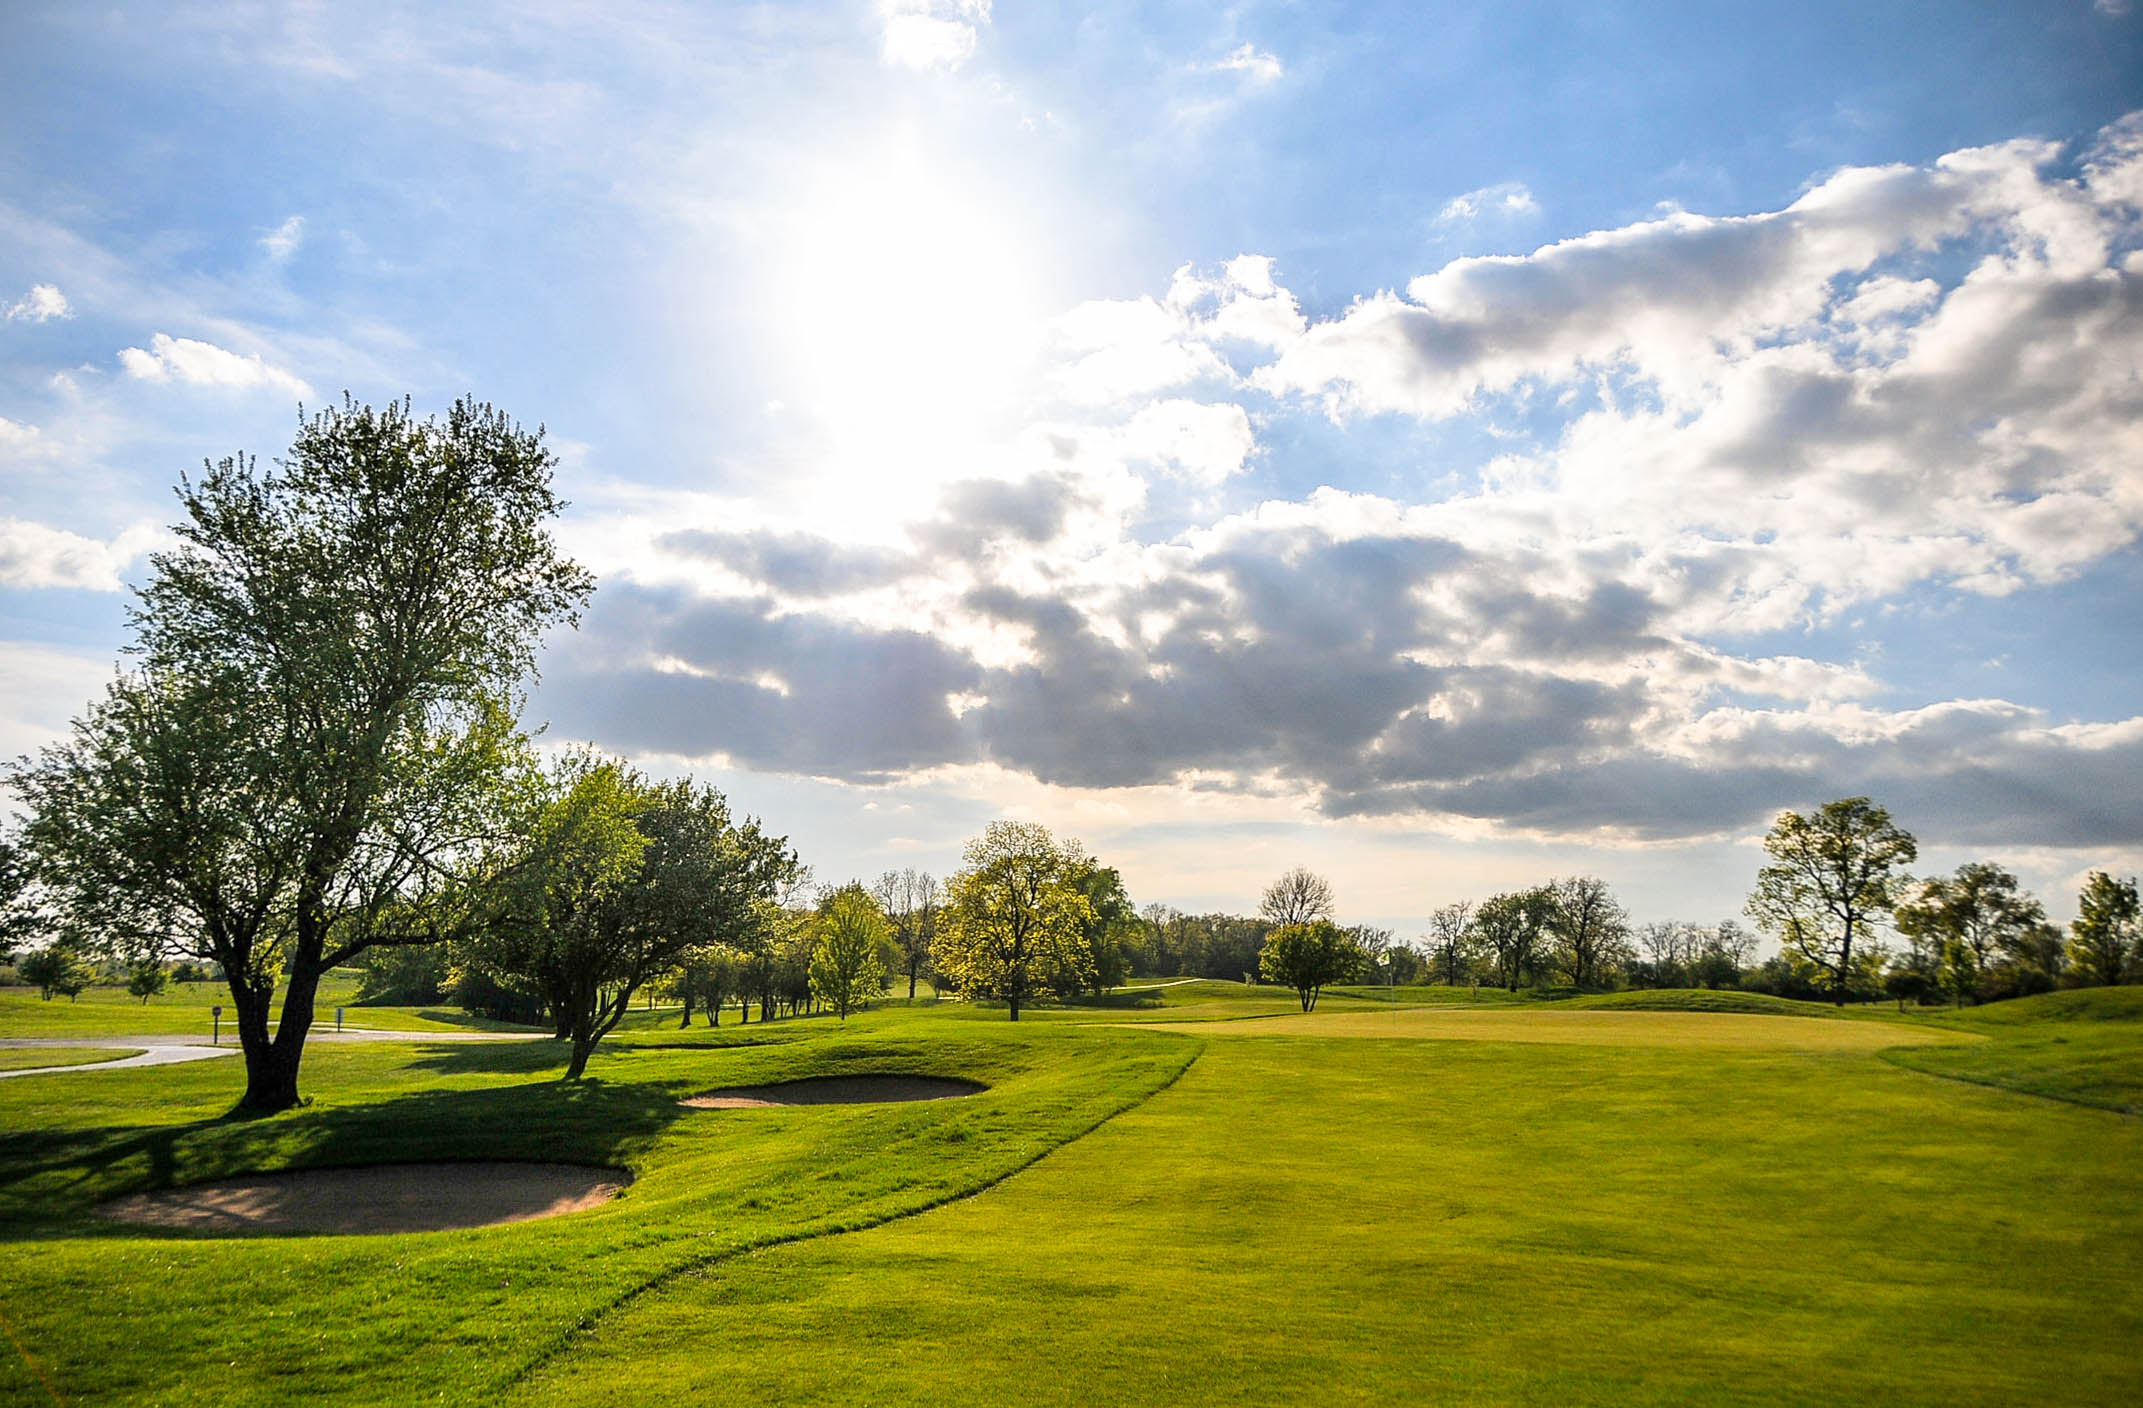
(146, 980)
(2103, 938)
(56, 968)
(1311, 957)
(1014, 924)
(1510, 927)
(1297, 897)
(848, 955)
(1834, 878)
(910, 900)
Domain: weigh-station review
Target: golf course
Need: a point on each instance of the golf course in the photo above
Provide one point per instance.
(1195, 1193)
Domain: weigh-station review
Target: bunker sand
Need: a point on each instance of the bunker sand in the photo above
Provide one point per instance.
(431, 1197)
(1725, 1031)
(835, 1090)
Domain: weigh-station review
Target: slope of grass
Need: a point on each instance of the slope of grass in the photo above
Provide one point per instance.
(2084, 1046)
(116, 1315)
(1309, 1221)
(1561, 1025)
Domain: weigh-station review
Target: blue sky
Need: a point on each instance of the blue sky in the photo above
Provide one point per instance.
(1447, 446)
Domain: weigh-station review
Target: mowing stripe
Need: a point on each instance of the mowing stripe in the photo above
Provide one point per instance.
(544, 1357)
(35, 1368)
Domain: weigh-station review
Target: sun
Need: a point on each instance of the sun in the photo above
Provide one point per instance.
(912, 316)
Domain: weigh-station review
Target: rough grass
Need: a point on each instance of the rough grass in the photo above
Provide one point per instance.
(2084, 1046)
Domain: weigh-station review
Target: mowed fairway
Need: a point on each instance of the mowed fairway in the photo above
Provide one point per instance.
(1326, 1210)
(1727, 1031)
(1356, 1220)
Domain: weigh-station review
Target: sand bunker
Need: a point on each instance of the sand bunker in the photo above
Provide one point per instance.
(385, 1198)
(836, 1090)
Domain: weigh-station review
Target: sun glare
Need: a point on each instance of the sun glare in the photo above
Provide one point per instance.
(913, 317)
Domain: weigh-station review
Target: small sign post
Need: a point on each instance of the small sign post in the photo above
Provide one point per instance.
(338, 1019)
(217, 1039)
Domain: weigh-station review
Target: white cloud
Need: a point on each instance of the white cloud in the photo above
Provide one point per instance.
(1506, 199)
(1250, 61)
(285, 239)
(38, 555)
(15, 436)
(930, 34)
(41, 688)
(204, 364)
(41, 304)
(1201, 442)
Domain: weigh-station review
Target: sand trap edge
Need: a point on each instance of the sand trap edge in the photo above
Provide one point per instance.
(835, 1090)
(373, 1200)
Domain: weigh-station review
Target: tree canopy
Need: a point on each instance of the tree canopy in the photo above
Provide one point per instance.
(312, 753)
(1310, 957)
(848, 953)
(1014, 921)
(2104, 940)
(1834, 877)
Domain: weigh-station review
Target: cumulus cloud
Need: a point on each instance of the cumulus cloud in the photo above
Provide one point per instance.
(41, 304)
(1913, 378)
(930, 34)
(196, 363)
(1507, 198)
(38, 555)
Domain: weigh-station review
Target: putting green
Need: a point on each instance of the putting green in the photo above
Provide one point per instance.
(1727, 1031)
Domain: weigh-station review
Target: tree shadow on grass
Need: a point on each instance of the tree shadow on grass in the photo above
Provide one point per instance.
(51, 1180)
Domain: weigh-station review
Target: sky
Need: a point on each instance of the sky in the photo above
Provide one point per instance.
(1446, 446)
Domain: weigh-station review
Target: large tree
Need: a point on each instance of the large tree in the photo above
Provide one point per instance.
(1310, 957)
(1590, 928)
(2103, 940)
(1834, 878)
(1510, 927)
(1014, 923)
(309, 759)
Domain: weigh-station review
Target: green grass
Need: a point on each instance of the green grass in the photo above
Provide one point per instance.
(1653, 1207)
(2084, 1046)
(29, 1058)
(1299, 1220)
(183, 1009)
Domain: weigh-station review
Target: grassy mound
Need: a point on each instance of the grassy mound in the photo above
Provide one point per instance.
(1704, 1000)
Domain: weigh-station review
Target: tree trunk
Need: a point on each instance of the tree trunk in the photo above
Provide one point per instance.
(688, 1012)
(911, 986)
(1014, 997)
(714, 1013)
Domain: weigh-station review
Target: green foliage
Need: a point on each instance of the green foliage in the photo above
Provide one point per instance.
(1834, 877)
(2104, 940)
(405, 975)
(1015, 925)
(1969, 922)
(1589, 929)
(910, 899)
(1310, 957)
(1112, 927)
(55, 969)
(146, 980)
(1511, 928)
(848, 955)
(314, 755)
